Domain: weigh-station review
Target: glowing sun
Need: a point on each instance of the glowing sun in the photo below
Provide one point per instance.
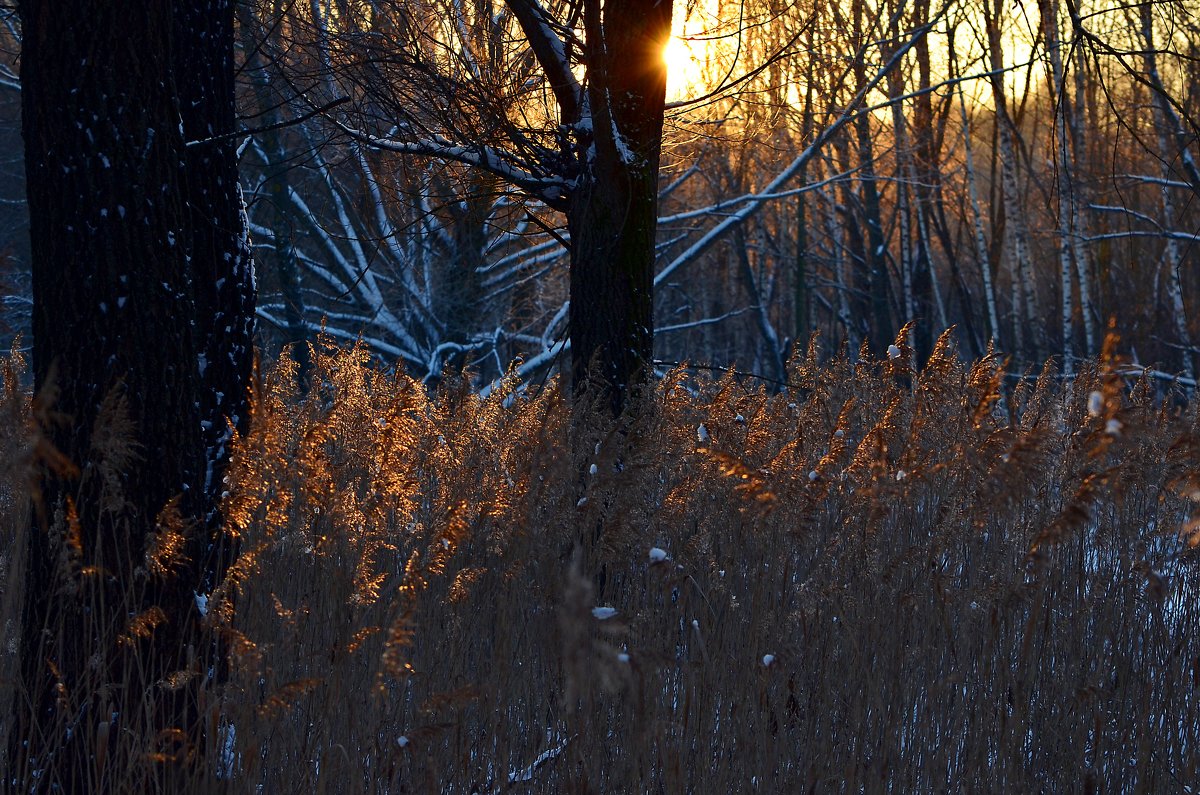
(685, 67)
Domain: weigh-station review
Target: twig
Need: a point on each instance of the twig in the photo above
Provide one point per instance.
(277, 125)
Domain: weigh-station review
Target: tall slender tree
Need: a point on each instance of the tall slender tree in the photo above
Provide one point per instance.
(143, 296)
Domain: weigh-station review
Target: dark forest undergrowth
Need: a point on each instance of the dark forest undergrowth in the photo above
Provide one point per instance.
(876, 581)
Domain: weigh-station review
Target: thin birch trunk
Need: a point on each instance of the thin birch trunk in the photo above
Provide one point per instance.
(980, 240)
(1024, 297)
(1173, 256)
(904, 180)
(934, 287)
(1072, 112)
(1049, 14)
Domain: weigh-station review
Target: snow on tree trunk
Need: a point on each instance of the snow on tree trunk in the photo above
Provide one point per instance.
(142, 317)
(613, 212)
(1025, 307)
(1068, 216)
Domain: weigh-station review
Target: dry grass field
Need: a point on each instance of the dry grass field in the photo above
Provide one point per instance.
(874, 581)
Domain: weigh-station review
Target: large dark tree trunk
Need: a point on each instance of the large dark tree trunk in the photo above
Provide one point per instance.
(613, 212)
(142, 319)
(220, 258)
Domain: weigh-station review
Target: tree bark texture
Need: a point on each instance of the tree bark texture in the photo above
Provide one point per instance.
(143, 315)
(613, 211)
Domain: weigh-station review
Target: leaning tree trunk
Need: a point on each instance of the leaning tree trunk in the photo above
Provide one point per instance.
(142, 292)
(613, 212)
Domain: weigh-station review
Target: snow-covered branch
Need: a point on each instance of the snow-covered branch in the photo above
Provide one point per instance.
(753, 205)
(551, 189)
(551, 54)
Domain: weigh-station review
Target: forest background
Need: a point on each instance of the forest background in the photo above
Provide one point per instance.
(884, 569)
(1020, 172)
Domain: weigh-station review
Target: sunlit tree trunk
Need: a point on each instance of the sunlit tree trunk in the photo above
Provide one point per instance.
(613, 210)
(1025, 306)
(1080, 248)
(904, 182)
(1063, 165)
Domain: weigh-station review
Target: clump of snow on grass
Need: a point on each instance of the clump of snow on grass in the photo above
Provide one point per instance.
(893, 352)
(813, 474)
(702, 434)
(582, 502)
(401, 741)
(603, 613)
(739, 419)
(657, 554)
(592, 469)
(1095, 404)
(1113, 427)
(768, 660)
(622, 657)
(839, 433)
